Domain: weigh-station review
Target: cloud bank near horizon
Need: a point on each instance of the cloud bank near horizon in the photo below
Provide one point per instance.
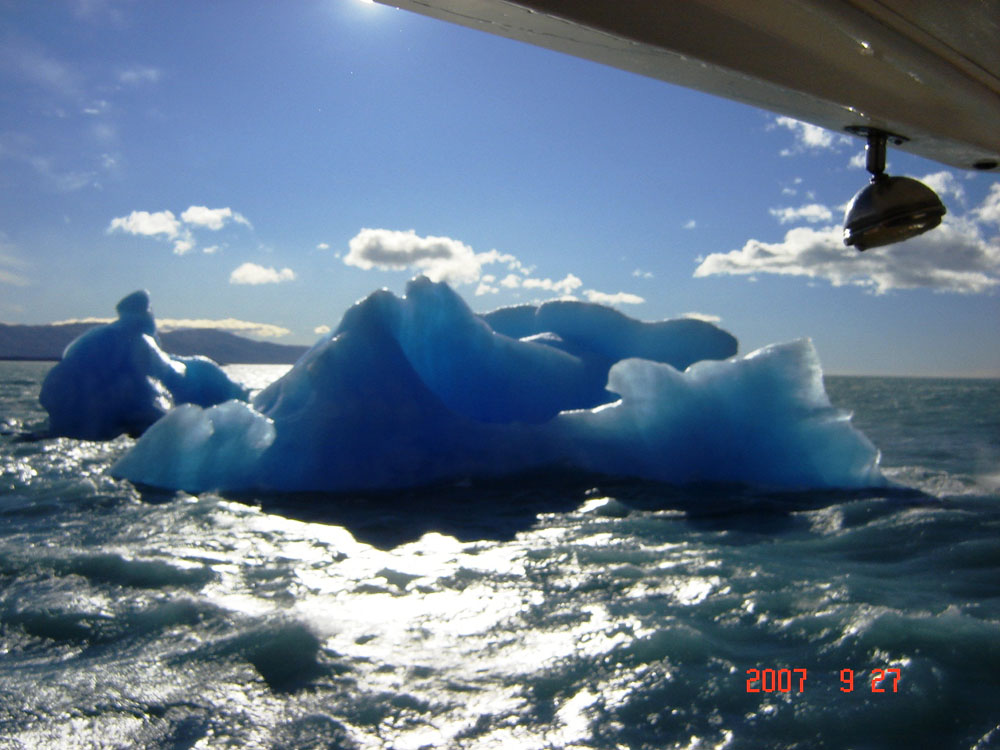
(231, 325)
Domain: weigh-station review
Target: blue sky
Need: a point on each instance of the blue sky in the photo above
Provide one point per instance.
(259, 166)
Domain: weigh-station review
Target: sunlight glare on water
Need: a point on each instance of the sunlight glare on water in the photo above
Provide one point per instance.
(554, 611)
(437, 607)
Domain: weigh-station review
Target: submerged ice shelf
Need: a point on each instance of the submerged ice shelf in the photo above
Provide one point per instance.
(116, 379)
(414, 389)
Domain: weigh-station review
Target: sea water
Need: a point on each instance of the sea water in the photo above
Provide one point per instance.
(549, 610)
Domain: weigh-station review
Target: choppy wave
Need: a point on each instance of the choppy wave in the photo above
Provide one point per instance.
(551, 610)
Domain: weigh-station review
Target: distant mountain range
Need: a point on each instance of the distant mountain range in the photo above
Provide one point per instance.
(48, 342)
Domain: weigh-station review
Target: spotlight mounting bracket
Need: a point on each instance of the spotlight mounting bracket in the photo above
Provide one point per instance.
(875, 148)
(867, 131)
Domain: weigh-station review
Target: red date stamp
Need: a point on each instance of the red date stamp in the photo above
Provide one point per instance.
(794, 680)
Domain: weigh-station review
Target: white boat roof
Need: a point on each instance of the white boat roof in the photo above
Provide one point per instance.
(927, 70)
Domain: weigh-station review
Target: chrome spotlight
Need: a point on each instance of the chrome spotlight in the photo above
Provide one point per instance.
(890, 209)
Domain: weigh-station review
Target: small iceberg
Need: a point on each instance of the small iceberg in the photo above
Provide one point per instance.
(116, 378)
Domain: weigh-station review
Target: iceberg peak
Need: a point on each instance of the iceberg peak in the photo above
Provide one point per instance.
(136, 311)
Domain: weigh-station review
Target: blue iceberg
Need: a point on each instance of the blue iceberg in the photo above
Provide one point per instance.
(116, 379)
(415, 389)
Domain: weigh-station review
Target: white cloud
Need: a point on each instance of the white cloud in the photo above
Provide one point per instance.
(565, 285)
(511, 261)
(640, 274)
(944, 184)
(793, 188)
(100, 106)
(619, 298)
(210, 250)
(955, 257)
(251, 273)
(447, 259)
(810, 137)
(859, 160)
(148, 224)
(989, 211)
(439, 258)
(690, 224)
(164, 225)
(184, 243)
(323, 246)
(812, 212)
(322, 330)
(212, 218)
(486, 285)
(702, 316)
